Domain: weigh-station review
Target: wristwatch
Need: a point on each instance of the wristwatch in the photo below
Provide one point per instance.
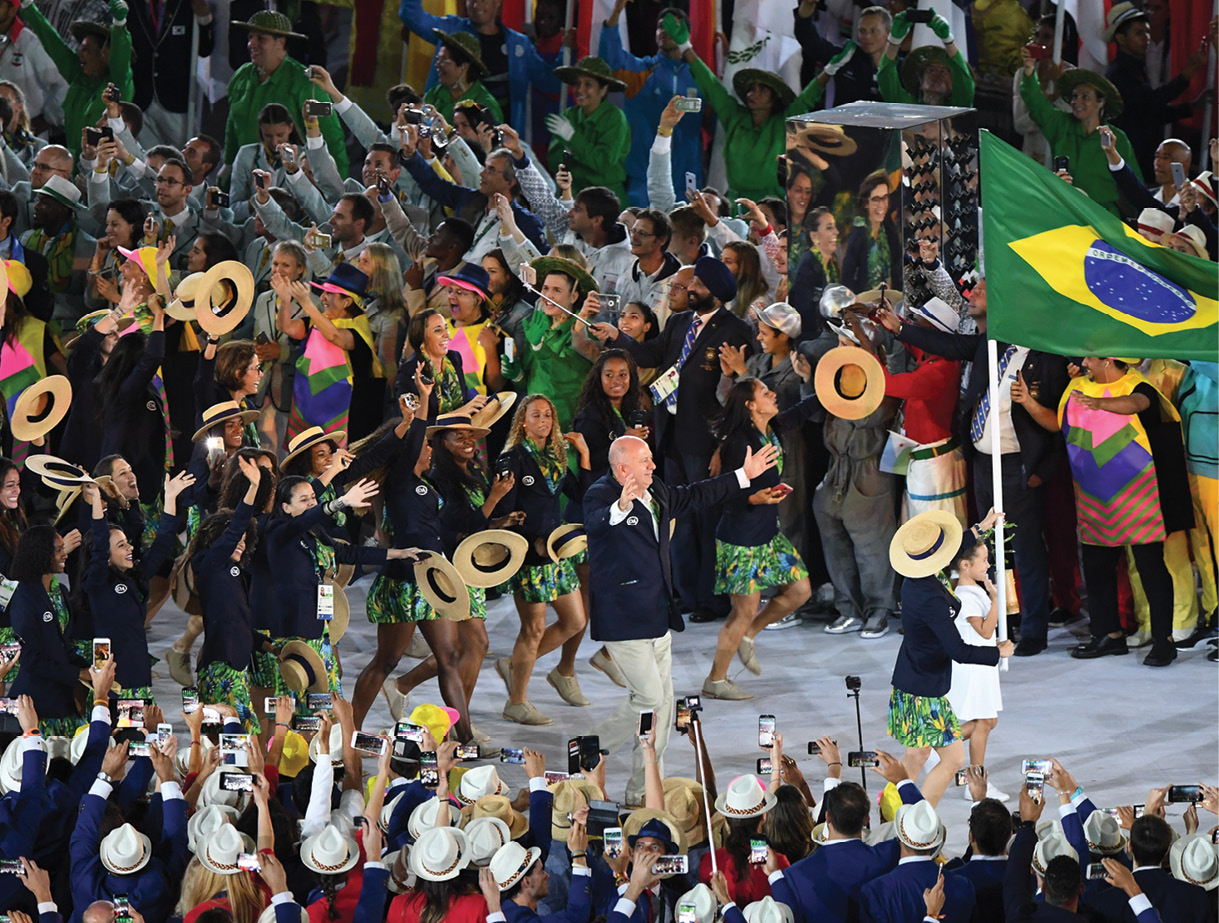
(104, 777)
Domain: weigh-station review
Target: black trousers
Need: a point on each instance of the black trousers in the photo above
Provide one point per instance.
(1100, 575)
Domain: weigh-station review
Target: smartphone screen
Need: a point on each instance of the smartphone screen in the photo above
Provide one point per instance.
(429, 771)
(961, 777)
(765, 766)
(306, 722)
(469, 752)
(645, 722)
(138, 748)
(164, 732)
(236, 781)
(671, 865)
(248, 862)
(612, 838)
(757, 852)
(862, 758)
(687, 913)
(1041, 766)
(554, 776)
(1096, 870)
(512, 755)
(367, 743)
(1034, 783)
(131, 713)
(766, 731)
(408, 731)
(235, 749)
(1184, 793)
(682, 721)
(101, 652)
(317, 701)
(269, 705)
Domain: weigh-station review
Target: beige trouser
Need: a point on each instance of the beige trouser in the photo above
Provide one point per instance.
(647, 665)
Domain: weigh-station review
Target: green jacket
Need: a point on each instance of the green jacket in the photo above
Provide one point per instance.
(83, 104)
(548, 364)
(288, 85)
(889, 80)
(1089, 167)
(598, 148)
(751, 151)
(444, 102)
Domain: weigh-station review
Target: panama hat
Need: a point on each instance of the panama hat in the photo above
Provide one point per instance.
(220, 413)
(486, 836)
(499, 807)
(570, 795)
(1155, 222)
(402, 880)
(10, 766)
(1077, 75)
(704, 903)
(826, 139)
(845, 396)
(659, 825)
(206, 821)
(545, 265)
(58, 391)
(684, 802)
(212, 793)
(467, 48)
(745, 796)
(1104, 835)
(480, 781)
(1119, 15)
(768, 910)
(462, 421)
(442, 586)
(55, 472)
(1194, 859)
(1051, 846)
(591, 66)
(511, 863)
(423, 817)
(1205, 183)
(1192, 235)
(303, 668)
(61, 190)
(489, 558)
(207, 308)
(925, 544)
(917, 61)
(218, 852)
(185, 594)
(329, 852)
(124, 850)
(918, 826)
(494, 410)
(185, 294)
(336, 745)
(268, 22)
(439, 854)
(306, 439)
(567, 541)
(746, 77)
(387, 811)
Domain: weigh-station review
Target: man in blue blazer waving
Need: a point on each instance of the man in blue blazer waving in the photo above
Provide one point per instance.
(628, 515)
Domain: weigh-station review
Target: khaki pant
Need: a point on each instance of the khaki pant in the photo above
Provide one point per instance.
(647, 665)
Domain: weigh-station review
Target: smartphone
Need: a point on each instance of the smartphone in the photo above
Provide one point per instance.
(590, 752)
(260, 181)
(1178, 175)
(1041, 766)
(914, 14)
(10, 867)
(367, 743)
(814, 748)
(248, 862)
(382, 185)
(1096, 870)
(510, 349)
(306, 722)
(1187, 794)
(216, 198)
(413, 116)
(164, 733)
(269, 705)
(1106, 141)
(95, 136)
(611, 306)
(687, 913)
(612, 838)
(765, 766)
(8, 706)
(114, 95)
(529, 275)
(211, 716)
(565, 163)
(101, 652)
(757, 852)
(429, 770)
(691, 184)
(317, 701)
(288, 156)
(318, 108)
(497, 139)
(1037, 52)
(503, 464)
(131, 713)
(235, 749)
(1034, 783)
(555, 776)
(138, 748)
(1062, 164)
(9, 651)
(766, 731)
(783, 489)
(215, 444)
(317, 240)
(237, 781)
(688, 104)
(671, 865)
(512, 755)
(646, 719)
(1138, 810)
(469, 752)
(961, 777)
(122, 903)
(408, 731)
(682, 721)
(862, 758)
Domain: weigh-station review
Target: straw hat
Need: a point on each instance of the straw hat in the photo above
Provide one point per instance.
(219, 850)
(329, 852)
(768, 910)
(1111, 96)
(63, 191)
(219, 413)
(704, 903)
(467, 48)
(545, 265)
(442, 586)
(746, 77)
(268, 22)
(1195, 238)
(55, 472)
(1104, 834)
(499, 807)
(745, 796)
(387, 811)
(486, 835)
(423, 817)
(341, 618)
(489, 558)
(482, 780)
(185, 594)
(570, 796)
(336, 745)
(1155, 222)
(307, 439)
(10, 766)
(206, 821)
(303, 668)
(567, 541)
(591, 66)
(58, 391)
(124, 850)
(826, 139)
(495, 409)
(919, 826)
(205, 306)
(872, 296)
(440, 854)
(187, 291)
(926, 544)
(448, 421)
(1050, 846)
(1195, 859)
(684, 802)
(511, 863)
(847, 396)
(1119, 15)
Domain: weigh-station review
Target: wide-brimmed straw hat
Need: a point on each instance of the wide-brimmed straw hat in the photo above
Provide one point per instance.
(55, 472)
(442, 586)
(58, 392)
(1194, 859)
(124, 850)
(303, 668)
(466, 46)
(491, 557)
(440, 854)
(242, 279)
(745, 796)
(591, 66)
(306, 439)
(570, 795)
(329, 852)
(206, 821)
(220, 413)
(268, 22)
(746, 77)
(499, 807)
(1110, 94)
(494, 410)
(849, 382)
(461, 421)
(925, 544)
(1104, 834)
(567, 541)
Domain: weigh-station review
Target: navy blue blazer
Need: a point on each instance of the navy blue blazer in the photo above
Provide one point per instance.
(20, 814)
(370, 908)
(897, 897)
(688, 432)
(82, 434)
(579, 903)
(986, 875)
(134, 426)
(412, 505)
(531, 495)
(1175, 901)
(224, 596)
(628, 564)
(824, 886)
(51, 670)
(404, 381)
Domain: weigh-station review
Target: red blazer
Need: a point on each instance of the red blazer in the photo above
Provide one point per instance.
(469, 908)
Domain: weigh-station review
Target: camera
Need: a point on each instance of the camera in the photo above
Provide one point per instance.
(318, 109)
(854, 683)
(95, 136)
(914, 14)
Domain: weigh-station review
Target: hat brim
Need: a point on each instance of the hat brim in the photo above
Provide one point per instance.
(462, 284)
(1199, 251)
(353, 856)
(243, 280)
(183, 585)
(337, 437)
(494, 410)
(743, 79)
(56, 472)
(534, 856)
(82, 28)
(339, 290)
(342, 614)
(935, 562)
(295, 676)
(443, 587)
(205, 860)
(826, 388)
(279, 33)
(636, 820)
(477, 67)
(573, 72)
(567, 541)
(246, 416)
(58, 390)
(480, 574)
(913, 66)
(478, 431)
(1077, 75)
(826, 139)
(545, 265)
(897, 823)
(768, 802)
(104, 855)
(58, 197)
(1177, 850)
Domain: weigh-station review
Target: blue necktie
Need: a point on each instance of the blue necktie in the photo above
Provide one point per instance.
(979, 419)
(686, 346)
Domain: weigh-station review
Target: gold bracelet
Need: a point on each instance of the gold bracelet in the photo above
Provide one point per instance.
(664, 132)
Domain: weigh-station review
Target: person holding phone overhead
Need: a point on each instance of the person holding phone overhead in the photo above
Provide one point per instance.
(594, 130)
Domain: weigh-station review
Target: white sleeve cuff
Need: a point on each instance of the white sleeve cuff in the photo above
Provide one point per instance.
(100, 713)
(48, 907)
(537, 784)
(1114, 167)
(285, 897)
(101, 788)
(343, 105)
(171, 791)
(117, 124)
(296, 177)
(137, 167)
(497, 917)
(1138, 904)
(625, 907)
(829, 782)
(616, 514)
(33, 742)
(775, 876)
(724, 910)
(313, 142)
(662, 144)
(370, 864)
(741, 478)
(582, 870)
(232, 725)
(1066, 809)
(904, 782)
(1078, 799)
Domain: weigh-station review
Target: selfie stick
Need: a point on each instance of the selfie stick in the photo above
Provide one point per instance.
(530, 288)
(854, 694)
(698, 757)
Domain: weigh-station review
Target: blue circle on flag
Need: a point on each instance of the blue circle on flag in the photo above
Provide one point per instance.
(1130, 288)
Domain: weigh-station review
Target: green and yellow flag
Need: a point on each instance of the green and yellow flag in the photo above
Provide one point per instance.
(1067, 277)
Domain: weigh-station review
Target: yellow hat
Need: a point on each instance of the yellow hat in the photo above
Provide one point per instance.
(434, 718)
(295, 755)
(19, 279)
(890, 801)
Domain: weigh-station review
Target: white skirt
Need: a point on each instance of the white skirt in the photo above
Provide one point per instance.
(975, 687)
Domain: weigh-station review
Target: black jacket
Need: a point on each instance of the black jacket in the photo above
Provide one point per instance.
(599, 432)
(1041, 451)
(630, 574)
(134, 426)
(411, 503)
(224, 593)
(1145, 109)
(82, 434)
(50, 670)
(404, 383)
(160, 59)
(688, 433)
(854, 81)
(531, 494)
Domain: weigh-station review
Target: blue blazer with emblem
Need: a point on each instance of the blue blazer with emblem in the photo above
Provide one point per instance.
(898, 896)
(579, 902)
(50, 670)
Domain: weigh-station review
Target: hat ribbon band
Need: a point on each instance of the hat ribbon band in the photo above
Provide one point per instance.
(519, 873)
(304, 665)
(729, 809)
(444, 871)
(123, 869)
(930, 551)
(917, 844)
(330, 868)
(219, 865)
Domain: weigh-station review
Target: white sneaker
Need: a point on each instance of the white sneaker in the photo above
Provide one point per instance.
(395, 699)
(1139, 639)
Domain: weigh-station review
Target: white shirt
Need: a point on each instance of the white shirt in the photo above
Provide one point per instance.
(617, 515)
(1008, 443)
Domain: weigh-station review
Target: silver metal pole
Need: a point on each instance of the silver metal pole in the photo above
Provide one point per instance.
(996, 476)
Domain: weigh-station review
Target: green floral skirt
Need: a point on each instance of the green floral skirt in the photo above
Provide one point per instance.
(746, 569)
(8, 636)
(221, 684)
(392, 601)
(332, 670)
(264, 668)
(922, 721)
(62, 727)
(546, 582)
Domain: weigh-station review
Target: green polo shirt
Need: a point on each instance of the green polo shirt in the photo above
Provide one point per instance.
(549, 364)
(290, 86)
(598, 148)
(443, 100)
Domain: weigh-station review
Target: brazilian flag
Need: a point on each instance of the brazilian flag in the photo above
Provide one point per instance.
(1065, 276)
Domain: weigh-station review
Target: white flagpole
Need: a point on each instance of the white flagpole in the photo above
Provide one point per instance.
(996, 477)
(698, 756)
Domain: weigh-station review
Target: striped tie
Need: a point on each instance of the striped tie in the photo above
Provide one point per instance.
(979, 420)
(686, 346)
